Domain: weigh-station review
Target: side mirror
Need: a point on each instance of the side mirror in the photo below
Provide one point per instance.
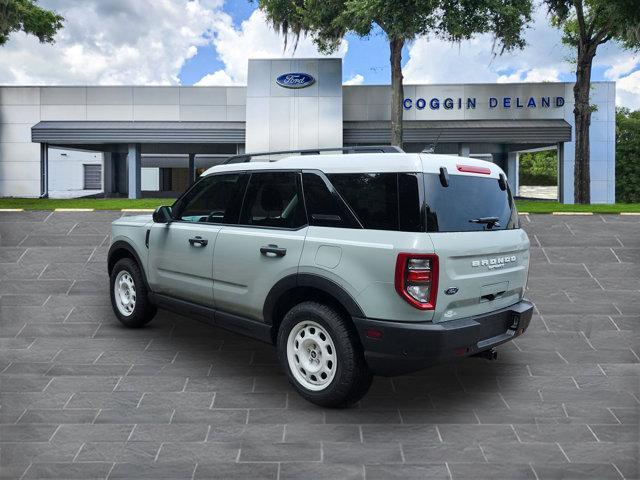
(162, 215)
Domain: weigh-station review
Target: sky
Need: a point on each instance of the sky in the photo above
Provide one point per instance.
(208, 42)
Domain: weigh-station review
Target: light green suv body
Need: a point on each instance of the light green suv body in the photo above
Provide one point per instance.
(446, 279)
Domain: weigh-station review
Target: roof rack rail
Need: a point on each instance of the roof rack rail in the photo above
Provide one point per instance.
(247, 157)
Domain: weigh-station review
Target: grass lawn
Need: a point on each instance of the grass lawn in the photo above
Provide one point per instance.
(95, 203)
(146, 203)
(548, 207)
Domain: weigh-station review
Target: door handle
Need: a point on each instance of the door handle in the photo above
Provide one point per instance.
(273, 251)
(197, 240)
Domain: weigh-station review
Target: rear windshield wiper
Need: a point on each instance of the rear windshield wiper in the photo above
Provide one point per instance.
(490, 222)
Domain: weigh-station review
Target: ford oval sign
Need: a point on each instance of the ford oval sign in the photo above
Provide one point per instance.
(295, 80)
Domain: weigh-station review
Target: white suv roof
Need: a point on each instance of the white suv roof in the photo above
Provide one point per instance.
(366, 162)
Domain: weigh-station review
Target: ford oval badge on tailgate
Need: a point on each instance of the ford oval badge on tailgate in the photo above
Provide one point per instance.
(295, 80)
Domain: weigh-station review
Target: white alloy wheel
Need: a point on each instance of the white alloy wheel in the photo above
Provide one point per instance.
(311, 355)
(125, 293)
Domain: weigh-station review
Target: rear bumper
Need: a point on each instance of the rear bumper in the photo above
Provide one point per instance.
(406, 347)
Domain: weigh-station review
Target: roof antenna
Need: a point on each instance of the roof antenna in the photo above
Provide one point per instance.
(432, 148)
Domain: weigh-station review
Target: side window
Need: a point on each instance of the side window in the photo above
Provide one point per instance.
(323, 207)
(274, 199)
(372, 196)
(214, 199)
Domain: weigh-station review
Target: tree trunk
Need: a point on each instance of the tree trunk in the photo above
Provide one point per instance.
(397, 96)
(582, 114)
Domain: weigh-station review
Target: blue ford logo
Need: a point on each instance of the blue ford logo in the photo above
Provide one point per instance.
(295, 80)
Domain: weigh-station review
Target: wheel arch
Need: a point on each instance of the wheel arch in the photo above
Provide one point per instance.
(121, 249)
(296, 288)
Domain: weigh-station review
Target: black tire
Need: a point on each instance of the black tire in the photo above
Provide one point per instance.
(352, 377)
(143, 312)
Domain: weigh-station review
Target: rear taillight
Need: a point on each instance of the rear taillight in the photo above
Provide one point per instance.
(416, 279)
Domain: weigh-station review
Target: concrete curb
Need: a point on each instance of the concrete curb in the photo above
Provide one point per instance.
(571, 213)
(74, 209)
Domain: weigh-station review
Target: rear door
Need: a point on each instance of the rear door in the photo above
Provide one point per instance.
(483, 254)
(181, 253)
(264, 247)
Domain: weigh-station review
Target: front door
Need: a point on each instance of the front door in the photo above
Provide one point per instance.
(264, 247)
(181, 253)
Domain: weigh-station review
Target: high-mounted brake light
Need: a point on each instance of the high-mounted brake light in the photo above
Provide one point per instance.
(474, 169)
(416, 279)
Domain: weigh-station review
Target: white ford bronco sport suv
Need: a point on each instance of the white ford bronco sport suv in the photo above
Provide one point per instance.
(352, 265)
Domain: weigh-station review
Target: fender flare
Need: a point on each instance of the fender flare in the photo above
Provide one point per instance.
(309, 280)
(122, 245)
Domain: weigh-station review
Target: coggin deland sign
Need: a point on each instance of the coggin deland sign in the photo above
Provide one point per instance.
(469, 103)
(302, 80)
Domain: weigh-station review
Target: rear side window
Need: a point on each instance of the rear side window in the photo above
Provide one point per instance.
(274, 199)
(462, 206)
(324, 207)
(381, 201)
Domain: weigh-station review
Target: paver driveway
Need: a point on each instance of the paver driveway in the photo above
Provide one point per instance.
(83, 397)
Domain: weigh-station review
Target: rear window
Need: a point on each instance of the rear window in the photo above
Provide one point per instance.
(381, 201)
(468, 204)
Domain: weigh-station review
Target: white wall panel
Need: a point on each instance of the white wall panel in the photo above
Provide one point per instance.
(63, 112)
(109, 95)
(236, 113)
(16, 132)
(19, 95)
(156, 95)
(19, 152)
(20, 170)
(156, 112)
(203, 113)
(19, 114)
(19, 188)
(110, 112)
(150, 179)
(63, 95)
(236, 95)
(203, 96)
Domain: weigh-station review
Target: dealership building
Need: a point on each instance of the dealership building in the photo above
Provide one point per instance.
(153, 141)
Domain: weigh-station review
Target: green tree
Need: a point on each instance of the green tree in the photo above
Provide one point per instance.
(327, 21)
(587, 24)
(28, 17)
(627, 156)
(539, 168)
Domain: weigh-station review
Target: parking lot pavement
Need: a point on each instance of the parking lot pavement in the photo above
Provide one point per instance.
(82, 397)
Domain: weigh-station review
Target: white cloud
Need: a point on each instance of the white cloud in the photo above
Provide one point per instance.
(531, 75)
(253, 39)
(545, 58)
(622, 65)
(628, 91)
(357, 79)
(217, 78)
(115, 42)
(436, 61)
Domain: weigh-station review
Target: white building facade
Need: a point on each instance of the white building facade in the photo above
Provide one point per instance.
(137, 140)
